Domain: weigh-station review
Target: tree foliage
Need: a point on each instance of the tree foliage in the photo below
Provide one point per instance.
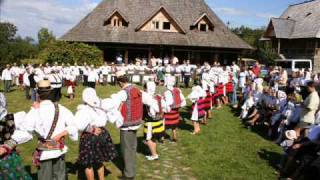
(12, 48)
(264, 52)
(25, 50)
(70, 53)
(45, 38)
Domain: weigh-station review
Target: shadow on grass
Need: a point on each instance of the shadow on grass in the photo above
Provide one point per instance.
(71, 168)
(272, 158)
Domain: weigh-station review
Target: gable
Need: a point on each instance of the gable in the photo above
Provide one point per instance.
(203, 23)
(182, 13)
(270, 31)
(116, 19)
(160, 21)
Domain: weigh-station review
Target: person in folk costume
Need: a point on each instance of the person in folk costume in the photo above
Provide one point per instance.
(175, 99)
(56, 85)
(198, 113)
(93, 77)
(223, 79)
(154, 124)
(207, 87)
(229, 85)
(70, 84)
(130, 101)
(51, 122)
(168, 70)
(96, 145)
(207, 101)
(10, 162)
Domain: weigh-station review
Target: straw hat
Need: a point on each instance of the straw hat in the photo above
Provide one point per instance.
(44, 84)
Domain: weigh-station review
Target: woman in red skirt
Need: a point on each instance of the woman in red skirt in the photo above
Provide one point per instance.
(175, 100)
(198, 113)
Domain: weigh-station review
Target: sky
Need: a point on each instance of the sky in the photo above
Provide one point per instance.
(61, 15)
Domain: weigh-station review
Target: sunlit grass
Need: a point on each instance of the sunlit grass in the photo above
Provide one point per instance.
(223, 150)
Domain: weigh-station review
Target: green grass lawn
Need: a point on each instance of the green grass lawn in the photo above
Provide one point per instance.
(225, 149)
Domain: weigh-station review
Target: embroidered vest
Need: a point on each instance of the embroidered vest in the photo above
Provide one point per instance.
(176, 98)
(132, 108)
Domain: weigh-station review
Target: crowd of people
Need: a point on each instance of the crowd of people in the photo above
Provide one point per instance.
(287, 105)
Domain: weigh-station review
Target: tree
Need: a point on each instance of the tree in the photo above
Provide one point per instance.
(45, 38)
(70, 53)
(7, 34)
(264, 51)
(14, 48)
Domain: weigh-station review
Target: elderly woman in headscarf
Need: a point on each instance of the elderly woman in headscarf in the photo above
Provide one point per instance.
(10, 162)
(96, 145)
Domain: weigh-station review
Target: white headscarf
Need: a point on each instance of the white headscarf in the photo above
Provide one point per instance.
(3, 106)
(151, 87)
(90, 97)
(170, 82)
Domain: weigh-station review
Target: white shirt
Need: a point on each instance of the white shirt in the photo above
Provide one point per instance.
(93, 76)
(98, 117)
(6, 75)
(55, 80)
(121, 96)
(26, 81)
(39, 121)
(169, 98)
(187, 69)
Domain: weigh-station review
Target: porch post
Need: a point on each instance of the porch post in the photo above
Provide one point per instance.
(126, 56)
(149, 56)
(279, 46)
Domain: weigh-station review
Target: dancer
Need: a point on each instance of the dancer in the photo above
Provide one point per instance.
(198, 112)
(175, 99)
(153, 126)
(130, 101)
(11, 166)
(96, 145)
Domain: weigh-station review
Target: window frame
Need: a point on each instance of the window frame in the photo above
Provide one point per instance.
(164, 24)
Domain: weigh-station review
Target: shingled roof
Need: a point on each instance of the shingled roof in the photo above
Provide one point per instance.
(298, 21)
(185, 12)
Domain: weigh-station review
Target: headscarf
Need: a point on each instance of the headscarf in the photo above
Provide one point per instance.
(89, 96)
(151, 87)
(3, 106)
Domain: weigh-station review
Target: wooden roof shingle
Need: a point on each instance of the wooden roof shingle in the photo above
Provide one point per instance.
(184, 12)
(298, 21)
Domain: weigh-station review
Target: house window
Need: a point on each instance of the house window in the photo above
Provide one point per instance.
(166, 25)
(155, 24)
(203, 27)
(115, 22)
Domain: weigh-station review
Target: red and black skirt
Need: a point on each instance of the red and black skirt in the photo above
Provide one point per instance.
(200, 108)
(95, 150)
(172, 119)
(20, 79)
(207, 102)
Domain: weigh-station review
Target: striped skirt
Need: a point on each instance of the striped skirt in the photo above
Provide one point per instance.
(207, 102)
(153, 130)
(200, 108)
(172, 119)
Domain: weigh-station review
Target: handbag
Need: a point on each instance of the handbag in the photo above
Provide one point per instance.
(37, 153)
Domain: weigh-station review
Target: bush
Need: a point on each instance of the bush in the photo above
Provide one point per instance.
(32, 61)
(70, 53)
